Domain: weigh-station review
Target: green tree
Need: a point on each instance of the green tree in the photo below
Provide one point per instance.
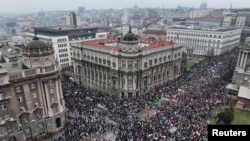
(226, 115)
(231, 105)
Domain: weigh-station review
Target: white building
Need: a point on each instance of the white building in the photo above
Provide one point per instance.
(71, 19)
(18, 40)
(124, 30)
(200, 41)
(61, 38)
(197, 13)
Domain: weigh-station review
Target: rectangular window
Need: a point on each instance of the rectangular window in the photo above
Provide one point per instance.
(2, 96)
(32, 86)
(34, 95)
(123, 63)
(51, 90)
(6, 117)
(4, 106)
(53, 100)
(20, 99)
(36, 105)
(130, 64)
(9, 127)
(25, 120)
(22, 109)
(46, 60)
(18, 89)
(136, 64)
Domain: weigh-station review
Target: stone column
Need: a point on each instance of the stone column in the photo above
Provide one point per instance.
(58, 96)
(239, 58)
(245, 60)
(242, 59)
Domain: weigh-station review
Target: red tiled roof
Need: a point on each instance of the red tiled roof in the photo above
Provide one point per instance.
(154, 43)
(97, 43)
(100, 43)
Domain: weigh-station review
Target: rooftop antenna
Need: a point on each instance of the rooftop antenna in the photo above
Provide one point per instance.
(129, 31)
(35, 34)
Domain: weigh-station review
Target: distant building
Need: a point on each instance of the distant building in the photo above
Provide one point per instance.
(241, 77)
(124, 30)
(10, 53)
(207, 21)
(240, 20)
(210, 21)
(197, 13)
(81, 11)
(136, 22)
(203, 5)
(200, 41)
(229, 20)
(243, 19)
(61, 38)
(106, 21)
(125, 67)
(18, 40)
(71, 19)
(155, 34)
(31, 99)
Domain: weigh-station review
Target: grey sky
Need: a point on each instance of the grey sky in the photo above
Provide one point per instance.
(24, 6)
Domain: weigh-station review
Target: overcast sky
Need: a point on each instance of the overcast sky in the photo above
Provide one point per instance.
(27, 6)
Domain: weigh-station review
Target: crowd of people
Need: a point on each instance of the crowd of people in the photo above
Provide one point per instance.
(179, 116)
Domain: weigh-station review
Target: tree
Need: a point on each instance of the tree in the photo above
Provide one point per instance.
(226, 115)
(183, 61)
(231, 105)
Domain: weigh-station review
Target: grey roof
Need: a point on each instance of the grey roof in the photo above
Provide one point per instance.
(14, 65)
(36, 44)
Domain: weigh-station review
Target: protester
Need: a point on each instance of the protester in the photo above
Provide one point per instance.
(178, 117)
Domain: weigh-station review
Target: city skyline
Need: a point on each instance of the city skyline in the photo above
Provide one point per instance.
(30, 6)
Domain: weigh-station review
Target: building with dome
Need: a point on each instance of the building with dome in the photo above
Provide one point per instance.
(125, 67)
(241, 78)
(31, 100)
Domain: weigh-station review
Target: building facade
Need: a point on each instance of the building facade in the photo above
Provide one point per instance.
(200, 42)
(125, 67)
(242, 71)
(240, 19)
(71, 19)
(61, 38)
(31, 97)
(241, 77)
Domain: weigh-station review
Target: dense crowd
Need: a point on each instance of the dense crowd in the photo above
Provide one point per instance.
(179, 116)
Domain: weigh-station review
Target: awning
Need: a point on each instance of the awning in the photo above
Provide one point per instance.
(244, 92)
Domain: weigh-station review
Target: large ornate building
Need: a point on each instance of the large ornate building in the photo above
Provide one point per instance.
(241, 78)
(125, 67)
(31, 100)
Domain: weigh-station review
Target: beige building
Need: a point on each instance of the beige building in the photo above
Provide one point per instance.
(156, 34)
(125, 67)
(31, 100)
(241, 78)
